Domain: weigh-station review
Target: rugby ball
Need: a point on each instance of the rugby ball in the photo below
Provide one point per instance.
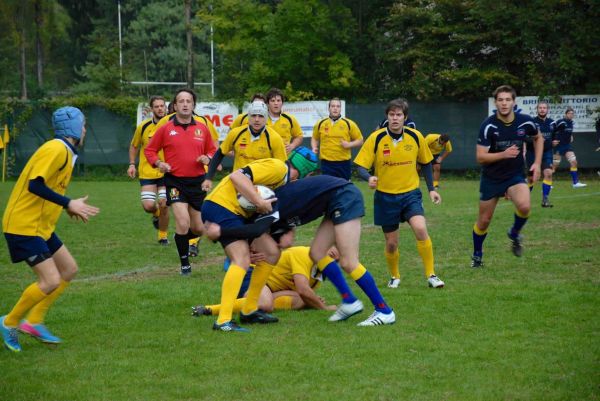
(264, 192)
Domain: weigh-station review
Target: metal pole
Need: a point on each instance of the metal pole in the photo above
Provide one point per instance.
(120, 43)
(212, 63)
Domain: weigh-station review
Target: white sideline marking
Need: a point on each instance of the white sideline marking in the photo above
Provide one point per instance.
(121, 274)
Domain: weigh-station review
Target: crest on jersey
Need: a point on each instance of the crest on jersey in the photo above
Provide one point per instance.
(521, 132)
(386, 151)
(408, 148)
(197, 132)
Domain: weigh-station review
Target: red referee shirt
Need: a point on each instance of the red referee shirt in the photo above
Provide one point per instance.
(182, 144)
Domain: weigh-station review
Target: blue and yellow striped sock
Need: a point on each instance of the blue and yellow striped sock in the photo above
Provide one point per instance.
(574, 176)
(530, 184)
(365, 281)
(546, 187)
(333, 272)
(520, 220)
(478, 238)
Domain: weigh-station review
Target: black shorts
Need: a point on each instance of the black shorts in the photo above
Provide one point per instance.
(185, 190)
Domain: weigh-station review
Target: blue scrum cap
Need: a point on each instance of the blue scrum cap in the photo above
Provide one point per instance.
(68, 121)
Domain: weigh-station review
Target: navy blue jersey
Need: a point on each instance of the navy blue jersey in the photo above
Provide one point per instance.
(499, 136)
(407, 123)
(302, 201)
(564, 131)
(546, 127)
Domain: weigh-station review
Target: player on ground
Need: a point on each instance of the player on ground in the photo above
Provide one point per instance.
(546, 127)
(333, 138)
(188, 146)
(285, 124)
(33, 209)
(440, 148)
(562, 142)
(250, 142)
(500, 152)
(151, 180)
(242, 119)
(393, 153)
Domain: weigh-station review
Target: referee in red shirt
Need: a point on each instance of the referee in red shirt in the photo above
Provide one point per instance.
(187, 146)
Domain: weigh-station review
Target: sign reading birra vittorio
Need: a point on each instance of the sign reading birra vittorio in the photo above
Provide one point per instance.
(587, 108)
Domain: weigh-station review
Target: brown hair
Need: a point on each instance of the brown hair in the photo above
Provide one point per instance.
(504, 89)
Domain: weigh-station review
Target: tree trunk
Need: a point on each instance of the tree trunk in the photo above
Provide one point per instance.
(190, 53)
(39, 20)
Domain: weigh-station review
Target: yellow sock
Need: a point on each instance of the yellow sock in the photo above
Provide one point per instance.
(229, 291)
(283, 302)
(478, 230)
(436, 183)
(156, 212)
(30, 297)
(425, 249)
(358, 272)
(392, 260)
(37, 314)
(162, 234)
(237, 307)
(194, 241)
(261, 273)
(323, 263)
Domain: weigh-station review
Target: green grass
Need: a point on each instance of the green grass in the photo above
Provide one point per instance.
(520, 329)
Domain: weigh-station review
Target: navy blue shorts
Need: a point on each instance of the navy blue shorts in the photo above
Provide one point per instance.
(345, 204)
(435, 157)
(546, 159)
(489, 189)
(22, 247)
(214, 213)
(341, 169)
(159, 182)
(392, 209)
(563, 149)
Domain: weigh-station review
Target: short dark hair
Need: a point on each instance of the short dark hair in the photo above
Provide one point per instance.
(543, 102)
(188, 90)
(155, 98)
(336, 99)
(444, 137)
(505, 89)
(260, 96)
(399, 103)
(275, 92)
(569, 109)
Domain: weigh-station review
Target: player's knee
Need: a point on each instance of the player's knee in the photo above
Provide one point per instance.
(49, 283)
(390, 247)
(149, 207)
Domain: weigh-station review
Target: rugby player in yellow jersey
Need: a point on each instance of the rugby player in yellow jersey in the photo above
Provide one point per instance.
(193, 241)
(393, 153)
(151, 179)
(440, 147)
(336, 136)
(221, 206)
(33, 209)
(242, 119)
(291, 285)
(250, 142)
(285, 124)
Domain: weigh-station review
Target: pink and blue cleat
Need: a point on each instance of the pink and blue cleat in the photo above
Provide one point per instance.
(39, 332)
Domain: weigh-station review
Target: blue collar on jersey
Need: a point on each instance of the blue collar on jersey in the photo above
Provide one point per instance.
(62, 138)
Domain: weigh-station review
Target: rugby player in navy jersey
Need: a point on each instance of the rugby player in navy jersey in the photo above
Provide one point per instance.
(562, 141)
(546, 127)
(499, 151)
(341, 205)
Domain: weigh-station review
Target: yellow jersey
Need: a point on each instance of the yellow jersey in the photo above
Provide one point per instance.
(434, 144)
(271, 173)
(394, 161)
(287, 127)
(241, 119)
(247, 148)
(330, 134)
(141, 138)
(27, 213)
(294, 260)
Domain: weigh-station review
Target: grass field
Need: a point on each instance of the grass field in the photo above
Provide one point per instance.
(520, 329)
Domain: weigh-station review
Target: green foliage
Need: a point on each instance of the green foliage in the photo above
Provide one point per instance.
(519, 329)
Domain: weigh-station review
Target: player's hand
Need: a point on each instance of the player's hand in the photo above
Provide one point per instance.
(164, 167)
(555, 142)
(256, 257)
(264, 206)
(79, 209)
(288, 148)
(373, 181)
(315, 150)
(536, 170)
(511, 152)
(331, 307)
(334, 253)
(206, 185)
(204, 159)
(438, 160)
(345, 144)
(212, 231)
(435, 197)
(131, 171)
